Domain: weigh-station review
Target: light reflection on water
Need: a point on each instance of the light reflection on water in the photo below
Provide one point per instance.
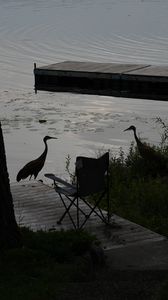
(83, 124)
(52, 31)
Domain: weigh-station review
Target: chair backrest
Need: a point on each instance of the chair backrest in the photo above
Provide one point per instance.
(91, 173)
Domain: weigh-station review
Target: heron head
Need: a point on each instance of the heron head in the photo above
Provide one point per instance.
(47, 137)
(132, 127)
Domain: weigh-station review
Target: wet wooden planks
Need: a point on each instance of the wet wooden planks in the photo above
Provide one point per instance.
(124, 80)
(37, 206)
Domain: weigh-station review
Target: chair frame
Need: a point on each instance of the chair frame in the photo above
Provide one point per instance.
(72, 193)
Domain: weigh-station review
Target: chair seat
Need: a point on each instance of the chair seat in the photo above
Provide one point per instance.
(67, 191)
(64, 188)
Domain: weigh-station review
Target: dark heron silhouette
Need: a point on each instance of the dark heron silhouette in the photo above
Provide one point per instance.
(150, 154)
(34, 166)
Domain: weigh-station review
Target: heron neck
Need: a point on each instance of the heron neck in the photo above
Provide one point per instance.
(43, 155)
(136, 138)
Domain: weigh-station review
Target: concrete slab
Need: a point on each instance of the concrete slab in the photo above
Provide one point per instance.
(147, 256)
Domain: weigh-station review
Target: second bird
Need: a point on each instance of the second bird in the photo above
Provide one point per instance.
(149, 153)
(34, 166)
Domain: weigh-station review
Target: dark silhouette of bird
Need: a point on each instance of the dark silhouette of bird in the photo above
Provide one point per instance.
(34, 166)
(147, 152)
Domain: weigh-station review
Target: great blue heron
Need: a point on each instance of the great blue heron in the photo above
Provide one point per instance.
(34, 166)
(147, 152)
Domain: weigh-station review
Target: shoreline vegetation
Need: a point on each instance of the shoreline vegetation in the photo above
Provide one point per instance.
(139, 188)
(59, 265)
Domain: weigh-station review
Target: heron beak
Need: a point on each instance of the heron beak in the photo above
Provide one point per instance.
(126, 129)
(52, 137)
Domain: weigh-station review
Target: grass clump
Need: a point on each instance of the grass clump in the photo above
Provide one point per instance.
(62, 246)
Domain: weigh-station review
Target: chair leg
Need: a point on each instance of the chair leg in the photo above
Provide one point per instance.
(66, 212)
(67, 209)
(77, 206)
(108, 199)
(100, 214)
(77, 225)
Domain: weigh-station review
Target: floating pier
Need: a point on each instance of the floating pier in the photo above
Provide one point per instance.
(112, 79)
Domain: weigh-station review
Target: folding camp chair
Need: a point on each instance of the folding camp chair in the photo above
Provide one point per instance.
(91, 178)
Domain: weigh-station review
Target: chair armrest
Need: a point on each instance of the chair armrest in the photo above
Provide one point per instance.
(57, 179)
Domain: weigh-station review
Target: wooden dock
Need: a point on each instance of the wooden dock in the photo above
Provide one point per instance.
(37, 206)
(112, 79)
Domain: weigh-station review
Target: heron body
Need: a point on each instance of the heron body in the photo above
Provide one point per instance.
(147, 152)
(34, 166)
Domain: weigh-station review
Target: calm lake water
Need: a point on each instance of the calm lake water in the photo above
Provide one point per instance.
(51, 31)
